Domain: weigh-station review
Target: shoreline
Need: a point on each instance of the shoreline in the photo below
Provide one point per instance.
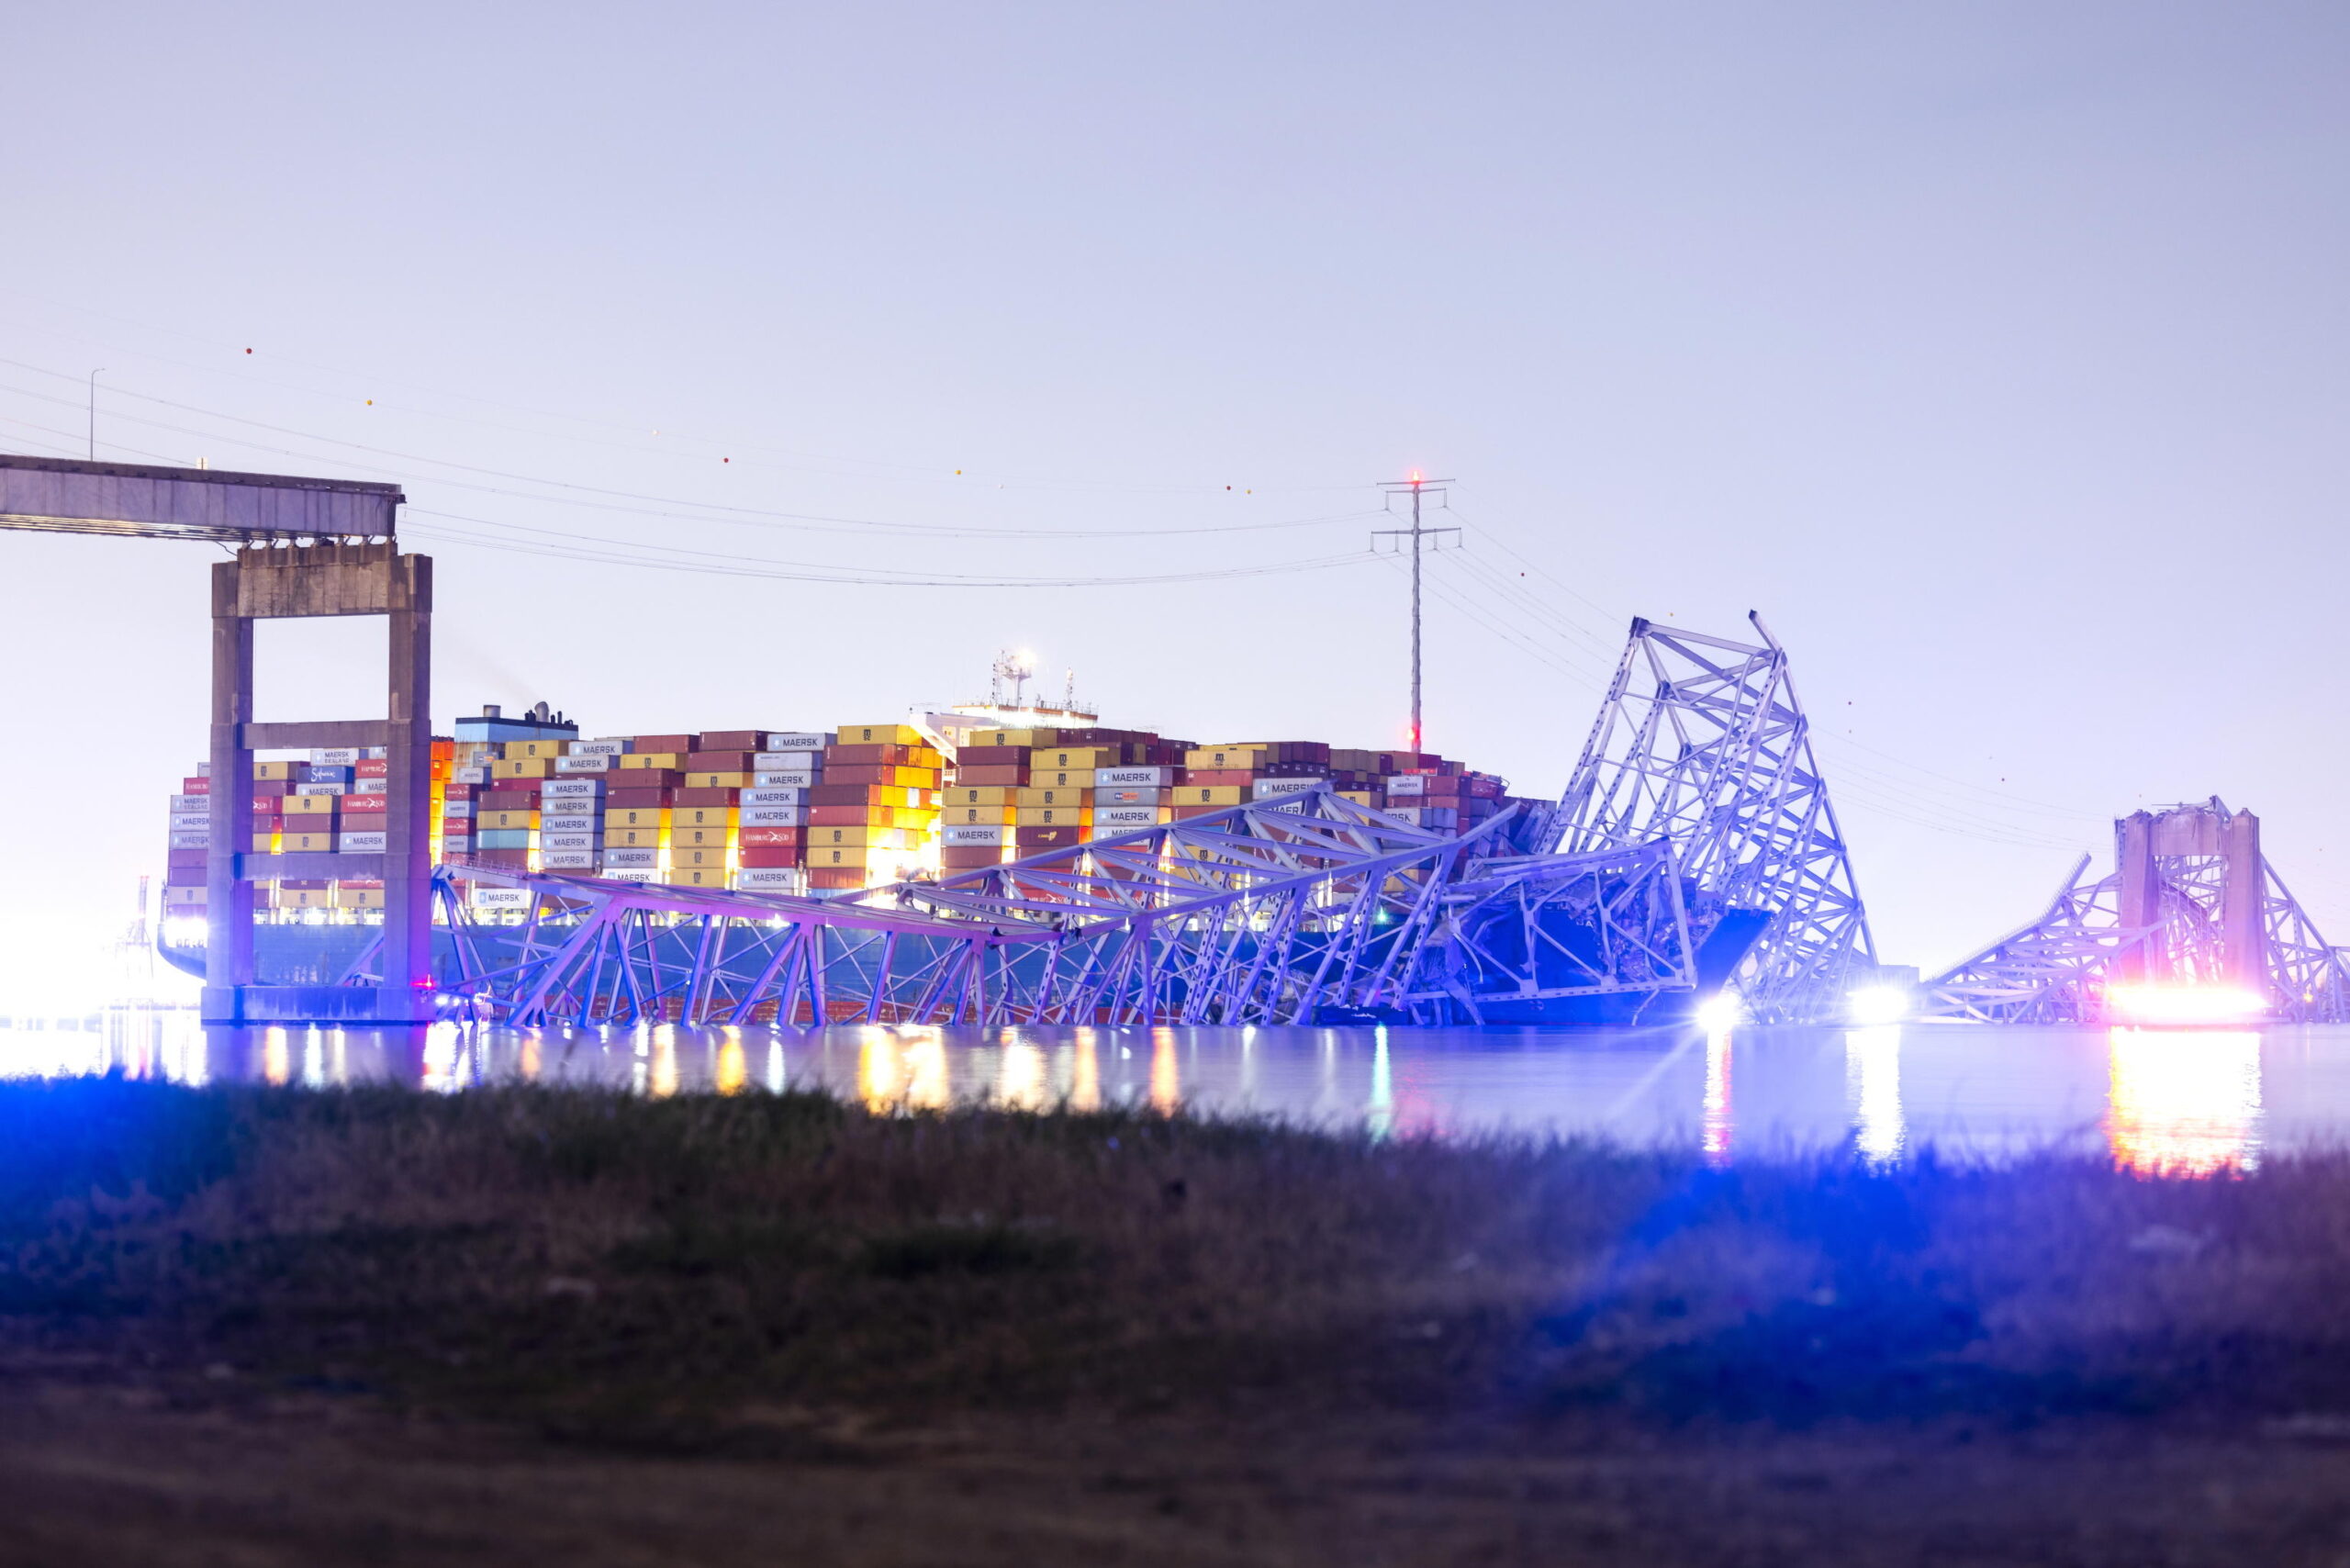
(757, 1290)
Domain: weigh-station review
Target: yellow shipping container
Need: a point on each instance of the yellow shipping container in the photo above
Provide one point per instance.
(506, 819)
(651, 759)
(853, 857)
(358, 898)
(700, 837)
(703, 876)
(321, 842)
(700, 817)
(1031, 795)
(280, 772)
(1207, 794)
(635, 816)
(542, 748)
(634, 837)
(880, 734)
(1225, 758)
(1360, 797)
(1063, 777)
(265, 844)
(522, 768)
(982, 795)
(1054, 816)
(300, 897)
(1082, 756)
(717, 781)
(856, 835)
(703, 858)
(906, 775)
(310, 805)
(1014, 738)
(963, 816)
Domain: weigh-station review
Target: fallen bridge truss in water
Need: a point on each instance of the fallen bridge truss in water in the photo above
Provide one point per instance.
(1303, 910)
(1695, 847)
(2192, 902)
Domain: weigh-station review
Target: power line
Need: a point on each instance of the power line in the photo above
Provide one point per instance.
(941, 473)
(714, 563)
(813, 522)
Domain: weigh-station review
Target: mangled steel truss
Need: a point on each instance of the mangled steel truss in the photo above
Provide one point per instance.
(1696, 812)
(1276, 911)
(1698, 771)
(1515, 934)
(2059, 968)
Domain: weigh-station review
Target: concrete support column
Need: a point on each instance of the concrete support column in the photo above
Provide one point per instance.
(408, 858)
(229, 899)
(330, 578)
(2243, 927)
(2141, 897)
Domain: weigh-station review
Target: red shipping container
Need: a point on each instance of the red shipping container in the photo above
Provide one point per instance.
(371, 767)
(719, 761)
(518, 859)
(851, 816)
(969, 857)
(665, 743)
(992, 777)
(751, 838)
(460, 792)
(362, 804)
(1217, 776)
(1185, 814)
(182, 859)
(271, 787)
(641, 777)
(868, 756)
(708, 795)
(994, 756)
(637, 799)
(732, 740)
(853, 794)
(196, 785)
(832, 877)
(767, 855)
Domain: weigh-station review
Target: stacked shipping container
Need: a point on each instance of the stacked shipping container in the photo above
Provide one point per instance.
(793, 810)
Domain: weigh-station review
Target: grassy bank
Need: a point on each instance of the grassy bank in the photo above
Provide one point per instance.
(669, 1274)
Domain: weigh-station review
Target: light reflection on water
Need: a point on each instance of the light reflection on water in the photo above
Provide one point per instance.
(2189, 1101)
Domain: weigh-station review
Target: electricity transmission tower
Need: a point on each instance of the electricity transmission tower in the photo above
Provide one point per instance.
(1416, 487)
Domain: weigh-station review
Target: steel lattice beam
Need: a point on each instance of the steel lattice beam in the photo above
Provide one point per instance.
(1268, 912)
(2057, 968)
(1702, 744)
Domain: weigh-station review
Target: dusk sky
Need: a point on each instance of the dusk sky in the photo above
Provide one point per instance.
(1997, 354)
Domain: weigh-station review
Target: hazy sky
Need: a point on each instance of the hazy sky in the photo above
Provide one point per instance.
(1995, 352)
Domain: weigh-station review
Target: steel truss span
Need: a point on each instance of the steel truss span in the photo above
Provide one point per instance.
(1695, 847)
(1699, 773)
(1309, 909)
(2164, 915)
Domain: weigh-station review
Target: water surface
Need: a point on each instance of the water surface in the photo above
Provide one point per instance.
(2202, 1099)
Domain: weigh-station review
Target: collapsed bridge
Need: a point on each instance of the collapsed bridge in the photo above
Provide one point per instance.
(1695, 848)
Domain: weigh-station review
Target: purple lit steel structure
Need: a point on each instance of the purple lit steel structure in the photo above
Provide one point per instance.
(2164, 914)
(1293, 910)
(1701, 746)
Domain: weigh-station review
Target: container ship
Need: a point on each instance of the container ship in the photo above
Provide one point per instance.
(807, 811)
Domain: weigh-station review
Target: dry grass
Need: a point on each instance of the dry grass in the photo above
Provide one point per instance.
(663, 1272)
